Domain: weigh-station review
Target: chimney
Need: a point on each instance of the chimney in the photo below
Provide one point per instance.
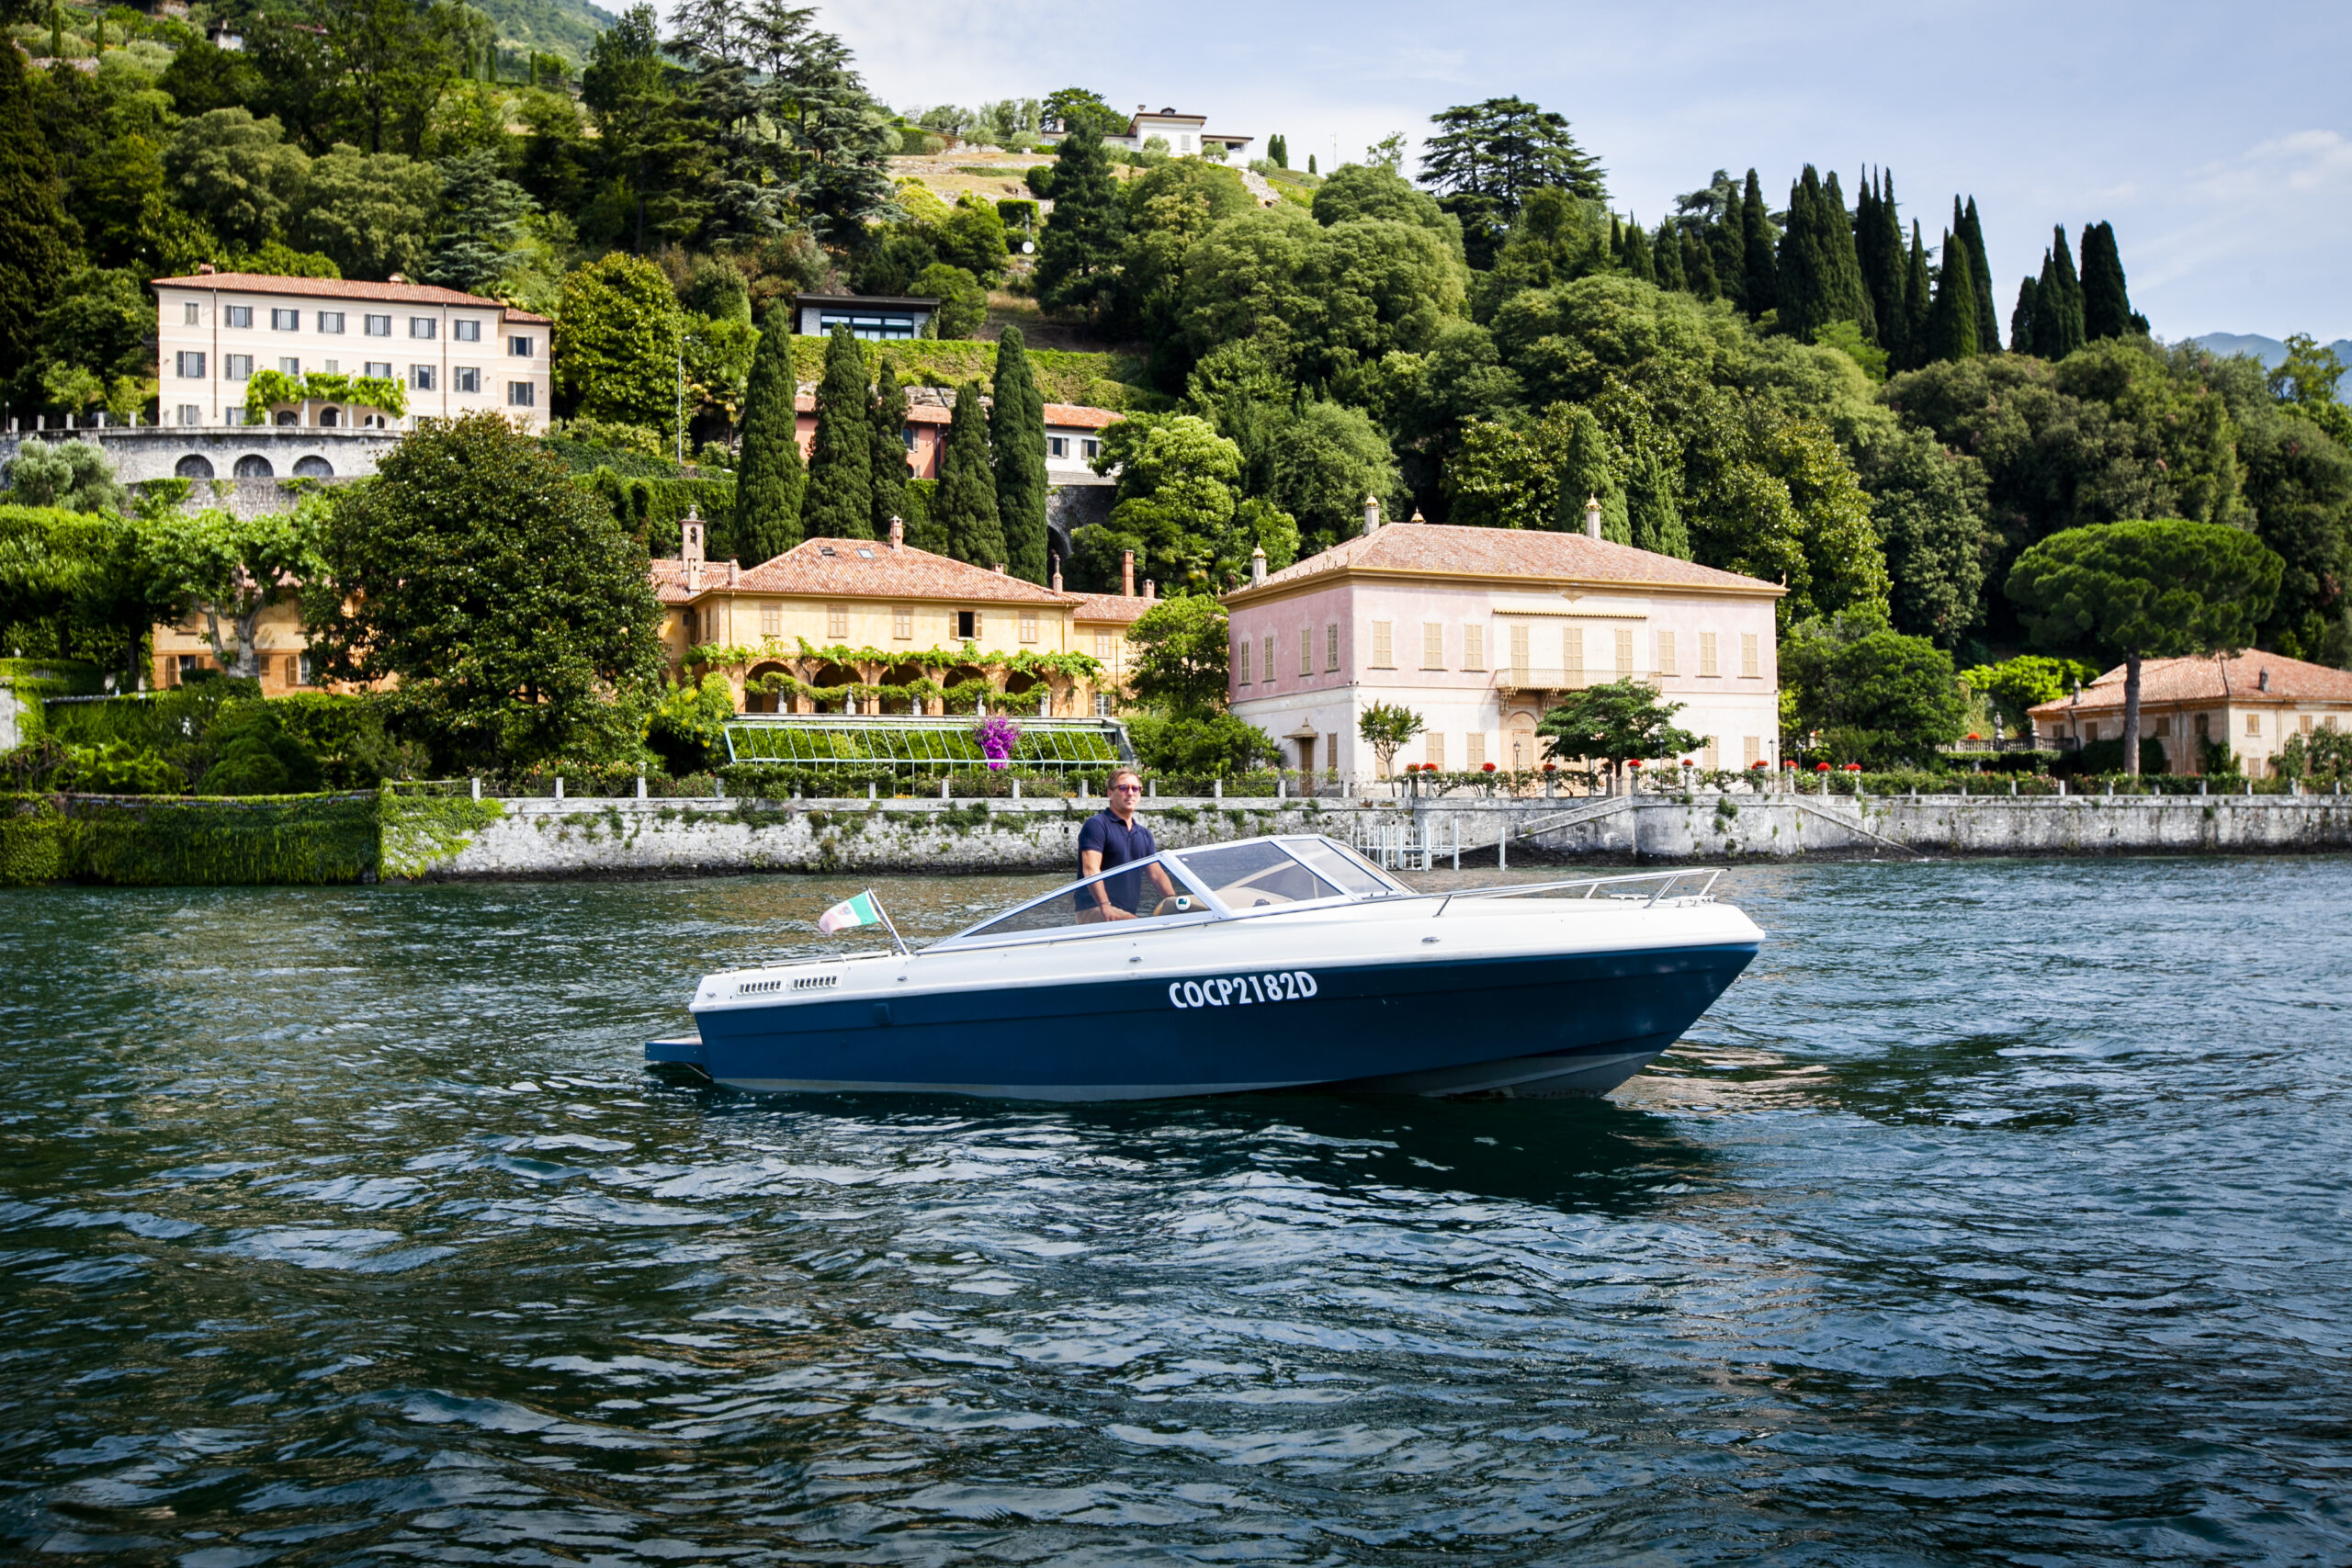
(204, 269)
(1000, 568)
(1371, 515)
(734, 572)
(1591, 516)
(898, 531)
(1417, 516)
(1056, 559)
(1127, 574)
(1149, 590)
(1257, 566)
(396, 277)
(2262, 679)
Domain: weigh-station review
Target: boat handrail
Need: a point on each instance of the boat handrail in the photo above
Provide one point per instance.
(1591, 884)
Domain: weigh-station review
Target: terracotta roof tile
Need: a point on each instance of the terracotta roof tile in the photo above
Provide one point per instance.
(341, 289)
(1078, 416)
(1502, 552)
(936, 405)
(669, 582)
(2237, 680)
(1124, 608)
(836, 568)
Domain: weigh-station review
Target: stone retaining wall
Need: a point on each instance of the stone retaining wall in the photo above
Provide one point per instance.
(543, 837)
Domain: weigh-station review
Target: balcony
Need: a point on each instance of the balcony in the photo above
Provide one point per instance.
(1514, 679)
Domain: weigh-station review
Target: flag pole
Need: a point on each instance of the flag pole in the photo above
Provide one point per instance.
(889, 926)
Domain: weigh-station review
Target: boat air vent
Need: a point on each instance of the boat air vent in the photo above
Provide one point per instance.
(753, 988)
(815, 982)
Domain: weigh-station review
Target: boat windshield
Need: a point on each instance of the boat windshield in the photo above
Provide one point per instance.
(1170, 887)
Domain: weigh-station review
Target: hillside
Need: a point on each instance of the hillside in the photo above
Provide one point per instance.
(568, 27)
(2269, 350)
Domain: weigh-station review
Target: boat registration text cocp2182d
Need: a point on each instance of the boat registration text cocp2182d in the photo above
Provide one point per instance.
(1243, 990)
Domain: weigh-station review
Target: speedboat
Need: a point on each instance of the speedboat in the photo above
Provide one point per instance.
(1280, 962)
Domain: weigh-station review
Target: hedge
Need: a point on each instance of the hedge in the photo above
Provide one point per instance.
(1065, 376)
(652, 506)
(148, 841)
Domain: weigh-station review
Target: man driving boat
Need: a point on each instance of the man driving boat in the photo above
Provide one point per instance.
(1111, 838)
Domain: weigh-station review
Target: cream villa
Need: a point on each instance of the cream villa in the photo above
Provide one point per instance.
(2251, 702)
(1480, 630)
(450, 352)
(917, 612)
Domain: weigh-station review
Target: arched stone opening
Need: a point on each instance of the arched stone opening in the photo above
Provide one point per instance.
(830, 676)
(195, 466)
(330, 419)
(901, 676)
(288, 418)
(756, 701)
(253, 466)
(313, 467)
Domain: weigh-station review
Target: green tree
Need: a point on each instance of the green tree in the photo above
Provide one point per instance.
(1651, 509)
(966, 506)
(230, 571)
(1616, 722)
(1017, 441)
(71, 476)
(768, 476)
(1318, 461)
(1367, 190)
(1927, 504)
(2163, 588)
(1178, 658)
(2107, 301)
(2016, 686)
(1076, 109)
(1387, 728)
(201, 78)
(1486, 157)
(533, 639)
(2021, 325)
(1078, 263)
(1969, 230)
(1590, 472)
(617, 344)
(963, 303)
(1874, 696)
(236, 174)
(890, 471)
(372, 213)
(1951, 325)
(2058, 301)
(972, 237)
(839, 502)
(480, 237)
(1177, 508)
(1760, 285)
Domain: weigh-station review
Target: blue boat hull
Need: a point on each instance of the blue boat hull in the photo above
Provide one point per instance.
(1509, 1025)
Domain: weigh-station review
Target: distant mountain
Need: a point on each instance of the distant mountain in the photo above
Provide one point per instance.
(568, 27)
(2269, 350)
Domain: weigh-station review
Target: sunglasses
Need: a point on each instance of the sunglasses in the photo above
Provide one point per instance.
(1127, 789)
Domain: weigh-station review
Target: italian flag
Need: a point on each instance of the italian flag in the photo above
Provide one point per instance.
(850, 914)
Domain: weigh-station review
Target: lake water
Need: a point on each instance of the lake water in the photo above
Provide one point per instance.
(1998, 1213)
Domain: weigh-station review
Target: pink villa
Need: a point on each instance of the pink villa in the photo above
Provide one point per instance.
(1480, 630)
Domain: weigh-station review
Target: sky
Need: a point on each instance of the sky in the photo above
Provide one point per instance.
(2217, 139)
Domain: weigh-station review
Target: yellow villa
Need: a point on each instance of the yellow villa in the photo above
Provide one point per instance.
(910, 616)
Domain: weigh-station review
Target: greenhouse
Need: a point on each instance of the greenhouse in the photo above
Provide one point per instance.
(914, 744)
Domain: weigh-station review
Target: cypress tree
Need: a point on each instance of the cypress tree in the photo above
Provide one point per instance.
(1727, 256)
(1760, 288)
(2061, 296)
(2107, 304)
(34, 256)
(1847, 300)
(965, 507)
(1699, 267)
(1667, 260)
(768, 476)
(1918, 304)
(889, 464)
(2021, 327)
(1951, 325)
(1988, 314)
(1017, 437)
(839, 503)
(1078, 263)
(1587, 471)
(1639, 259)
(1616, 241)
(1657, 521)
(1801, 285)
(1877, 236)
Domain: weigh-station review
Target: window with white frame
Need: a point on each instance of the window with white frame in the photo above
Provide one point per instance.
(1056, 446)
(237, 367)
(379, 326)
(464, 378)
(423, 327)
(331, 322)
(381, 369)
(237, 315)
(521, 394)
(191, 314)
(420, 377)
(465, 331)
(191, 414)
(286, 320)
(189, 363)
(1089, 449)
(519, 346)
(288, 365)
